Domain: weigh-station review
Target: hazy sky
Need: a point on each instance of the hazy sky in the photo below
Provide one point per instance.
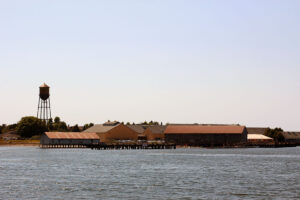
(170, 61)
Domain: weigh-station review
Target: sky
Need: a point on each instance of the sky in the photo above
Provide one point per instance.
(235, 62)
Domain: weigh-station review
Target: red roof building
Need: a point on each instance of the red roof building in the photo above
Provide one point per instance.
(69, 138)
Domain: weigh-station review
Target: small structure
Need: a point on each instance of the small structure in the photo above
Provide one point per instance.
(258, 139)
(206, 135)
(292, 137)
(44, 108)
(115, 132)
(68, 139)
(155, 132)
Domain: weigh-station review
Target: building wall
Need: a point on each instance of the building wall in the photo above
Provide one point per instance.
(120, 132)
(260, 141)
(206, 139)
(153, 136)
(293, 141)
(244, 137)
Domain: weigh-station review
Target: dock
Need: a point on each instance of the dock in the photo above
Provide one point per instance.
(131, 146)
(103, 146)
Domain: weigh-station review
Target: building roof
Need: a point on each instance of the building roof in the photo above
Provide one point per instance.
(137, 128)
(199, 129)
(291, 135)
(158, 129)
(258, 137)
(44, 85)
(100, 128)
(109, 123)
(256, 130)
(195, 124)
(71, 135)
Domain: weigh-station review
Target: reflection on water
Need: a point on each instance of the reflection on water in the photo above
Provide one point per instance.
(33, 173)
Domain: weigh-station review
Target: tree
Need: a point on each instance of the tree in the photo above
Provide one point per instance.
(61, 126)
(56, 120)
(275, 133)
(50, 124)
(30, 126)
(75, 128)
(86, 126)
(58, 125)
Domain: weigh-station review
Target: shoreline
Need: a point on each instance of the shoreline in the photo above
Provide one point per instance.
(20, 143)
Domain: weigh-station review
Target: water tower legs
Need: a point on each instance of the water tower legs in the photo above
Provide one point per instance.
(44, 109)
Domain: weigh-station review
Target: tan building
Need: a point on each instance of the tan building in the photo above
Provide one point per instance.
(113, 132)
(259, 139)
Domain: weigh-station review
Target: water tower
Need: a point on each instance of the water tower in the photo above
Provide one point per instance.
(44, 110)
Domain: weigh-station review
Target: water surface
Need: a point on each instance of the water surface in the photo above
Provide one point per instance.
(257, 173)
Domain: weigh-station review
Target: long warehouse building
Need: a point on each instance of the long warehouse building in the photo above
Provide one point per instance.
(206, 135)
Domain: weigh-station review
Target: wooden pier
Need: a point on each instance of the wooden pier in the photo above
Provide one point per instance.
(112, 146)
(132, 146)
(62, 146)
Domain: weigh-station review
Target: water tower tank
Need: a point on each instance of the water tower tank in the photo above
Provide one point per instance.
(44, 91)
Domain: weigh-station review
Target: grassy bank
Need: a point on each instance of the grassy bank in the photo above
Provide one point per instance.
(19, 142)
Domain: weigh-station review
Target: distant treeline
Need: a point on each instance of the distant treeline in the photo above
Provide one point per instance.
(30, 126)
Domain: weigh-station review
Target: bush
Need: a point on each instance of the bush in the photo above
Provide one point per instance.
(30, 126)
(275, 133)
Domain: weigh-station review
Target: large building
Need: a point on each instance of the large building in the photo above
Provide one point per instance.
(113, 132)
(292, 137)
(206, 135)
(69, 138)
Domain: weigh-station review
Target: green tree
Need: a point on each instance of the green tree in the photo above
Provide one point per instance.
(75, 128)
(61, 126)
(30, 126)
(50, 124)
(86, 126)
(56, 120)
(275, 133)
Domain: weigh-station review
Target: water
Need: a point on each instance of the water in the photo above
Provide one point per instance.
(33, 173)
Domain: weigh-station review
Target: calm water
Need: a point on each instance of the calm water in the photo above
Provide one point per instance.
(32, 173)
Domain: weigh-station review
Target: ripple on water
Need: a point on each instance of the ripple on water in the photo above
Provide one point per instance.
(32, 173)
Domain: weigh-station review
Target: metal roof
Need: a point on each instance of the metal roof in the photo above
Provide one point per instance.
(199, 129)
(44, 85)
(137, 128)
(256, 130)
(99, 128)
(71, 135)
(258, 137)
(157, 129)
